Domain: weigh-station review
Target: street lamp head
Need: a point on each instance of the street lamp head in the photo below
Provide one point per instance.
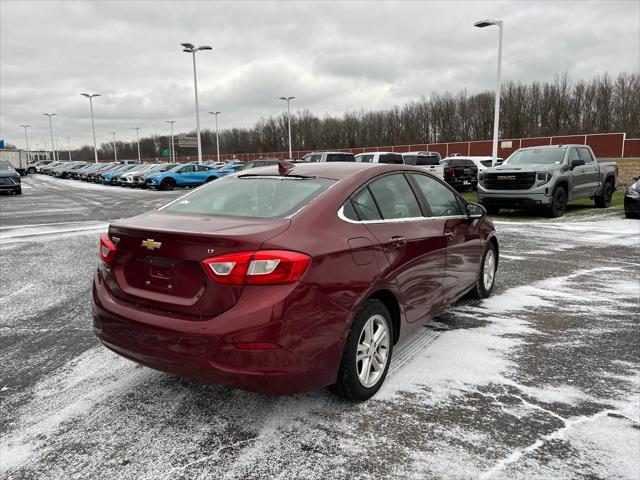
(188, 50)
(187, 45)
(215, 113)
(25, 126)
(487, 23)
(50, 114)
(170, 121)
(204, 47)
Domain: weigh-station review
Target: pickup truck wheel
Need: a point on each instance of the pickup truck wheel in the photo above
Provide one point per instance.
(487, 275)
(604, 200)
(18, 191)
(367, 353)
(559, 203)
(168, 184)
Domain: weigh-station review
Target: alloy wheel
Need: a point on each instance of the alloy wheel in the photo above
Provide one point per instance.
(489, 270)
(373, 350)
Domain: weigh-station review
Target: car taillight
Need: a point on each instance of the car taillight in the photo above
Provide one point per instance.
(262, 267)
(107, 249)
(451, 171)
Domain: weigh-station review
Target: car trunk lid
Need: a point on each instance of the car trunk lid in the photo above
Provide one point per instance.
(159, 255)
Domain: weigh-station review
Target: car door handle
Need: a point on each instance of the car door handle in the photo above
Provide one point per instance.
(399, 241)
(450, 235)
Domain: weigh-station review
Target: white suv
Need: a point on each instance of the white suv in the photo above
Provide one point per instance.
(380, 157)
(328, 157)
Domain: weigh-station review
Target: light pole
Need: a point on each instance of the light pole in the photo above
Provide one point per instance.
(288, 100)
(172, 153)
(26, 139)
(137, 129)
(115, 151)
(215, 114)
(496, 112)
(53, 147)
(69, 146)
(190, 48)
(93, 125)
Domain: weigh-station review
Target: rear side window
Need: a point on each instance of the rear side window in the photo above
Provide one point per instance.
(252, 196)
(394, 158)
(585, 155)
(364, 158)
(394, 197)
(340, 157)
(364, 204)
(442, 201)
(313, 158)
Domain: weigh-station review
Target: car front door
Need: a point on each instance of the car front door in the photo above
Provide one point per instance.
(463, 244)
(580, 187)
(413, 244)
(185, 175)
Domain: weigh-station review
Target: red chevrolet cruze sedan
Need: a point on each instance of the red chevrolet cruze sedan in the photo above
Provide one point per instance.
(290, 278)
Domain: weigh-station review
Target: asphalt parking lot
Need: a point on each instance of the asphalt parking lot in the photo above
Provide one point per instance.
(542, 380)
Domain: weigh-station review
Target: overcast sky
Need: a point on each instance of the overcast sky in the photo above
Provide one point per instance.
(333, 57)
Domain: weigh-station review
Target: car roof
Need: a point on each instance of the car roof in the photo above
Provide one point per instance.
(334, 170)
(555, 146)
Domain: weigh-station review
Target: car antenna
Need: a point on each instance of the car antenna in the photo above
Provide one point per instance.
(284, 167)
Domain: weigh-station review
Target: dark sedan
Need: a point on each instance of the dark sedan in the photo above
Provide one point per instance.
(290, 278)
(632, 200)
(9, 178)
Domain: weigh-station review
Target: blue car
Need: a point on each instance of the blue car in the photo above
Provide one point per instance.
(231, 168)
(107, 177)
(183, 175)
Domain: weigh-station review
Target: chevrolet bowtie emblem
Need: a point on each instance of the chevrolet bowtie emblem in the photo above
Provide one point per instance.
(150, 244)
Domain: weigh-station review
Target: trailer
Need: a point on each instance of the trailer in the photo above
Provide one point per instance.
(16, 157)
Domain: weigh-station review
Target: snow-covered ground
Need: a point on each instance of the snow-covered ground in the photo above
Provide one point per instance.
(542, 380)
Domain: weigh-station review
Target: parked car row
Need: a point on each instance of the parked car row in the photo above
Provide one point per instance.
(159, 176)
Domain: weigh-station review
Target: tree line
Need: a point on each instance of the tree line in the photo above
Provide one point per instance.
(563, 106)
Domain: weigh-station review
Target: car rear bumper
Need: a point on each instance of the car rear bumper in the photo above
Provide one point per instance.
(309, 329)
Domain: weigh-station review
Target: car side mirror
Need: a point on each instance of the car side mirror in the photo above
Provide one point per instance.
(576, 163)
(475, 211)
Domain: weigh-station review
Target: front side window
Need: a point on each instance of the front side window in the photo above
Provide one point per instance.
(188, 169)
(252, 196)
(364, 158)
(394, 197)
(573, 155)
(442, 201)
(585, 155)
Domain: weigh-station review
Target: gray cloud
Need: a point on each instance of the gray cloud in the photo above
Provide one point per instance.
(333, 56)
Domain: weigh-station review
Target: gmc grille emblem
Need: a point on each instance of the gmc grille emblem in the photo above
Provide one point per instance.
(506, 177)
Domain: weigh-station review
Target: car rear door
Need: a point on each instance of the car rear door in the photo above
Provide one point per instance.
(463, 244)
(413, 244)
(580, 188)
(591, 170)
(186, 175)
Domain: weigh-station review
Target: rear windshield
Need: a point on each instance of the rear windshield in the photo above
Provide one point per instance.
(395, 158)
(537, 156)
(421, 160)
(252, 196)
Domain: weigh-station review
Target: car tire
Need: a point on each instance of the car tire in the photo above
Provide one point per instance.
(210, 179)
(558, 203)
(31, 170)
(604, 200)
(355, 381)
(18, 191)
(168, 184)
(487, 275)
(491, 209)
